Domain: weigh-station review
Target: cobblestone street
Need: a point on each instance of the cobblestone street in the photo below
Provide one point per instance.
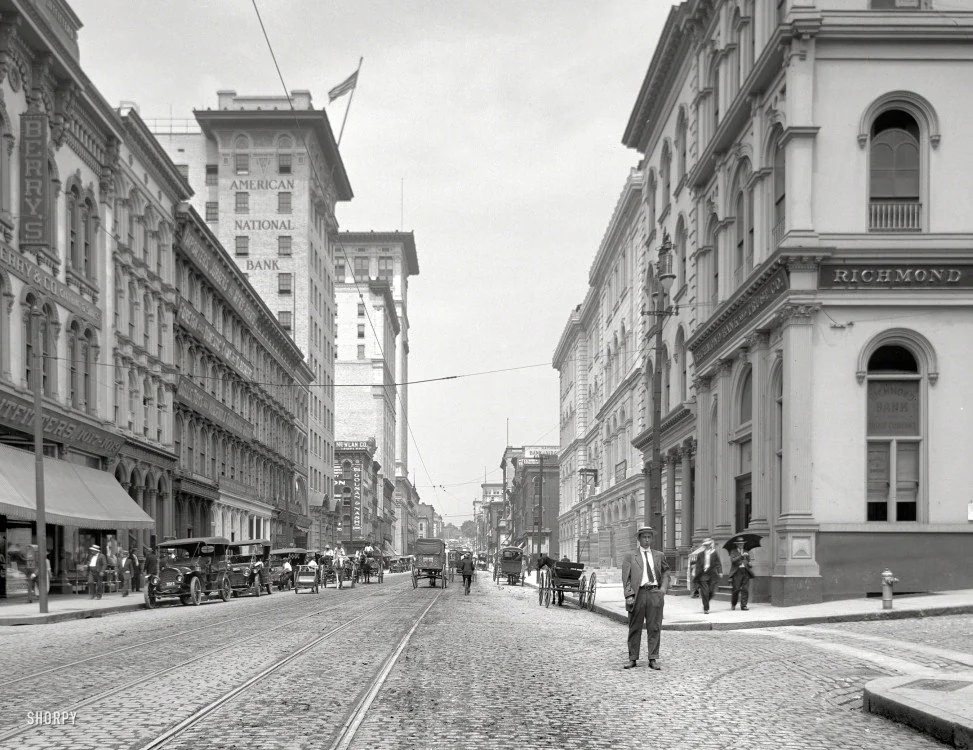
(492, 670)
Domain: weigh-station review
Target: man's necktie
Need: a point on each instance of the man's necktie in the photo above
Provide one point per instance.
(648, 567)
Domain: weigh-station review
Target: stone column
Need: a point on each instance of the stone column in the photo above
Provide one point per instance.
(688, 493)
(796, 575)
(703, 497)
(725, 489)
(671, 459)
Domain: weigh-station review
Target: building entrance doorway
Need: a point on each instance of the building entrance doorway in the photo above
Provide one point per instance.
(744, 502)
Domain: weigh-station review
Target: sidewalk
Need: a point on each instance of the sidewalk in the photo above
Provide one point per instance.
(686, 613)
(67, 607)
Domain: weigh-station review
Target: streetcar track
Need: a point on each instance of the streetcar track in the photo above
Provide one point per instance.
(200, 714)
(16, 731)
(141, 644)
(350, 726)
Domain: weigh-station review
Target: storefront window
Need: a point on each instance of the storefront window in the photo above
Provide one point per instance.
(894, 435)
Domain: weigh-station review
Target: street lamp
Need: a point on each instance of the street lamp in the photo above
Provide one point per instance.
(666, 277)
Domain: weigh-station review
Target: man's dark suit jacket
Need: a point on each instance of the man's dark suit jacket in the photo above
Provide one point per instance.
(632, 566)
(715, 566)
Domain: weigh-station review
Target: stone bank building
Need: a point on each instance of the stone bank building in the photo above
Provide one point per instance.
(807, 161)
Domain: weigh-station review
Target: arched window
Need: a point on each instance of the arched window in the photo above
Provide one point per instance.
(894, 169)
(666, 377)
(146, 405)
(745, 415)
(665, 171)
(681, 144)
(743, 225)
(714, 262)
(714, 85)
(132, 309)
(133, 391)
(147, 308)
(683, 366)
(895, 434)
(72, 211)
(160, 410)
(650, 205)
(682, 253)
(780, 194)
(74, 375)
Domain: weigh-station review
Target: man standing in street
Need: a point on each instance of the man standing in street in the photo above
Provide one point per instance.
(740, 575)
(150, 566)
(708, 572)
(126, 571)
(645, 581)
(97, 564)
(466, 570)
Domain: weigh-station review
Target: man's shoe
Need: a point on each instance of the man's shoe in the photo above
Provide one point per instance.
(705, 611)
(630, 665)
(734, 606)
(653, 664)
(744, 609)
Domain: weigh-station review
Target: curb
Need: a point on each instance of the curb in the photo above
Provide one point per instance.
(882, 614)
(919, 711)
(75, 614)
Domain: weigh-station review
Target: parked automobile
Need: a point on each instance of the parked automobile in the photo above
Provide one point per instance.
(280, 577)
(189, 570)
(250, 567)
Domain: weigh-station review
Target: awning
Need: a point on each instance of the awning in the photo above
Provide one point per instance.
(73, 495)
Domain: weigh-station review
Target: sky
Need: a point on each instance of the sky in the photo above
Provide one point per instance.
(492, 129)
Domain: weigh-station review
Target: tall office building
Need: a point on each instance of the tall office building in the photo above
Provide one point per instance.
(375, 267)
(267, 177)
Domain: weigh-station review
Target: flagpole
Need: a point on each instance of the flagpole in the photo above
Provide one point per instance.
(350, 97)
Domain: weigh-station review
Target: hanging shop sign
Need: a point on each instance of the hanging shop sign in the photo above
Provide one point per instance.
(35, 183)
(746, 311)
(895, 276)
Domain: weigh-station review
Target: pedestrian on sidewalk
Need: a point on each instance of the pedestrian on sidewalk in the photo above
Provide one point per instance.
(708, 572)
(466, 570)
(150, 566)
(97, 564)
(645, 581)
(740, 575)
(137, 571)
(691, 583)
(126, 571)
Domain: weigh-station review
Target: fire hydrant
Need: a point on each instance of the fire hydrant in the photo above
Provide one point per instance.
(887, 582)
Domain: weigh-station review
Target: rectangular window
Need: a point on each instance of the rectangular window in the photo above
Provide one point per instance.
(385, 269)
(212, 211)
(284, 246)
(283, 163)
(283, 203)
(242, 205)
(243, 246)
(284, 316)
(339, 271)
(284, 283)
(212, 172)
(361, 351)
(361, 331)
(361, 310)
(183, 169)
(361, 268)
(241, 163)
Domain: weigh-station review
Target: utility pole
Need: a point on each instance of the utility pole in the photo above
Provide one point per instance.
(41, 522)
(540, 503)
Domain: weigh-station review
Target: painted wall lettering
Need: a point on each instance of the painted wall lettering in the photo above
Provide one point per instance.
(35, 183)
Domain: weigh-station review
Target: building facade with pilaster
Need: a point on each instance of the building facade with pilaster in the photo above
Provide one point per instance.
(806, 159)
(241, 433)
(267, 176)
(367, 260)
(603, 395)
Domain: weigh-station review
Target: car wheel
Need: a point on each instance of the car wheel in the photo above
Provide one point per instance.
(150, 601)
(225, 591)
(195, 596)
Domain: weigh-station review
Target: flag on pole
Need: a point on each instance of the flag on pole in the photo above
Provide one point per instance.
(344, 87)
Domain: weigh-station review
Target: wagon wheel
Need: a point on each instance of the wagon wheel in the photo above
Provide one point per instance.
(581, 592)
(590, 598)
(415, 578)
